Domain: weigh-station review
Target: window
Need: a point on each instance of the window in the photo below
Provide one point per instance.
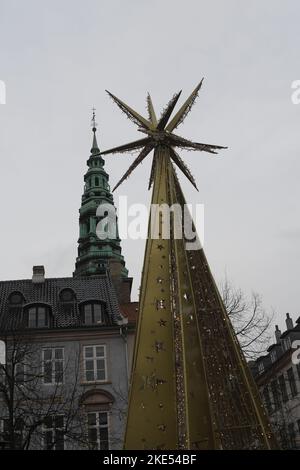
(283, 389)
(287, 344)
(92, 314)
(18, 428)
(266, 395)
(274, 388)
(54, 433)
(283, 437)
(4, 429)
(98, 430)
(67, 295)
(292, 435)
(96, 181)
(292, 382)
(273, 356)
(95, 363)
(53, 365)
(16, 298)
(20, 373)
(298, 370)
(261, 367)
(37, 316)
(68, 298)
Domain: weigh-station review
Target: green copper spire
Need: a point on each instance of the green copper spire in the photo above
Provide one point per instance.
(94, 254)
(95, 149)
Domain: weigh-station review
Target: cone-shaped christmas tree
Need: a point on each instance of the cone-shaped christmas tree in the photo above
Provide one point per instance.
(190, 387)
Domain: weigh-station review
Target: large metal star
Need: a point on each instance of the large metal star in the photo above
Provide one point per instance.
(160, 133)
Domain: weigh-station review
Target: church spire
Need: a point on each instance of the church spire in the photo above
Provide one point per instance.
(95, 149)
(95, 254)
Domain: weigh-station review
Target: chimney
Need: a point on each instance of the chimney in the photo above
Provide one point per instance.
(277, 334)
(38, 274)
(289, 322)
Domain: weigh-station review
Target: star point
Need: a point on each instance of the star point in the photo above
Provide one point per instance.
(160, 133)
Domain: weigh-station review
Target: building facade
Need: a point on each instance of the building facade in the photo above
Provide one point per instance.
(69, 341)
(278, 377)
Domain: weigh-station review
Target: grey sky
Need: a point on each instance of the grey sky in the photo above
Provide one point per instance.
(58, 57)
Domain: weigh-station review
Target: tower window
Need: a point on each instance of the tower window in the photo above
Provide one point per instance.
(96, 181)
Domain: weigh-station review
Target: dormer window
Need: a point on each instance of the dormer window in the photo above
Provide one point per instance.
(93, 313)
(67, 295)
(16, 299)
(68, 298)
(37, 316)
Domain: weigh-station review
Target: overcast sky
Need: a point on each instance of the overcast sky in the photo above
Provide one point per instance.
(58, 57)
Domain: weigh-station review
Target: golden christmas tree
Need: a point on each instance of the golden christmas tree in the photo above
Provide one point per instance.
(190, 387)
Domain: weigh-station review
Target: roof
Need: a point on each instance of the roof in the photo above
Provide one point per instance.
(97, 288)
(130, 311)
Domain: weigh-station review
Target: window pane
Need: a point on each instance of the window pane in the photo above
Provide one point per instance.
(100, 364)
(102, 418)
(100, 351)
(100, 375)
(59, 421)
(89, 375)
(16, 298)
(58, 353)
(104, 445)
(92, 419)
(97, 314)
(32, 318)
(58, 367)
(48, 372)
(48, 423)
(88, 318)
(89, 352)
(88, 308)
(20, 369)
(93, 437)
(48, 440)
(42, 318)
(67, 295)
(89, 364)
(47, 354)
(59, 441)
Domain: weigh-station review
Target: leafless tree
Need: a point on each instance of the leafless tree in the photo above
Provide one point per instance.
(280, 408)
(27, 407)
(249, 319)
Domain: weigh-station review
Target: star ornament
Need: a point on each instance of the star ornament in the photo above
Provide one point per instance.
(160, 132)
